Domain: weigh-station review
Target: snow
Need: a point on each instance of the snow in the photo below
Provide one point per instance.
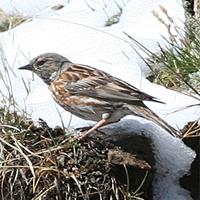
(173, 159)
(77, 31)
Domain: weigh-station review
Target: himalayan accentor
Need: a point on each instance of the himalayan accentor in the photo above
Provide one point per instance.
(92, 94)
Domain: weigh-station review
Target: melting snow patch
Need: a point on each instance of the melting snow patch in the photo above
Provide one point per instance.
(173, 157)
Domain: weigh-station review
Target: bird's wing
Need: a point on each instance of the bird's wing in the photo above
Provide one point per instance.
(87, 81)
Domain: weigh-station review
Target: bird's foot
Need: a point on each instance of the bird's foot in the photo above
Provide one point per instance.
(85, 134)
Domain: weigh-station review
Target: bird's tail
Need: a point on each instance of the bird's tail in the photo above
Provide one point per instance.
(148, 114)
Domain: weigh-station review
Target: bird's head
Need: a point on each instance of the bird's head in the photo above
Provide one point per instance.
(46, 65)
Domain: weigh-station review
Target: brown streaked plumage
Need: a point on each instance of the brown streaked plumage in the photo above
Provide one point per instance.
(92, 94)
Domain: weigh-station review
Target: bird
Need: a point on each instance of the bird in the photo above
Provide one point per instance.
(92, 94)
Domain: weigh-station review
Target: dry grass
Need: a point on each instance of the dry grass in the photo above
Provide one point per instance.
(37, 162)
(10, 21)
(192, 129)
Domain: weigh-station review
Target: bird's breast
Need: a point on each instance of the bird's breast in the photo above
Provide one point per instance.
(64, 98)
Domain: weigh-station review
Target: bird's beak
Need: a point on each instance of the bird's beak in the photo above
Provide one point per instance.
(27, 67)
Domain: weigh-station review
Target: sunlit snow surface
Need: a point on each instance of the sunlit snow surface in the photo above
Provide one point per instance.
(77, 31)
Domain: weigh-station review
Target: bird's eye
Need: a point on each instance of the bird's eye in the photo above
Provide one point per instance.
(40, 62)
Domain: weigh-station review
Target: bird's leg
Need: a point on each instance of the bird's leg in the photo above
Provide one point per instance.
(99, 124)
